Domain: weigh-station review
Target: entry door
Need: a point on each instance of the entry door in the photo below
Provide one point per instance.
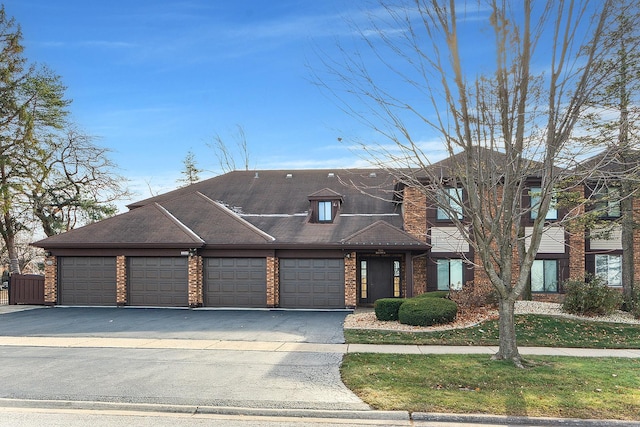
(380, 278)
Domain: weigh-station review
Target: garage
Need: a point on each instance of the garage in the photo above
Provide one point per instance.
(235, 282)
(158, 281)
(87, 280)
(312, 283)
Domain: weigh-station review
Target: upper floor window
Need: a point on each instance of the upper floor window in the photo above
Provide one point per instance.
(325, 212)
(607, 202)
(450, 203)
(536, 196)
(544, 275)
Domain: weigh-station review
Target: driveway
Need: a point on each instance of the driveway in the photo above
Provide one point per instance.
(245, 376)
(232, 325)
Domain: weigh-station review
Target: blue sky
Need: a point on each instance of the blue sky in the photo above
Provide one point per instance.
(153, 79)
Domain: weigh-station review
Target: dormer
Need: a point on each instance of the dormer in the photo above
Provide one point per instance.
(324, 206)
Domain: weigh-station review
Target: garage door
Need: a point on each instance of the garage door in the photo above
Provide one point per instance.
(312, 283)
(235, 282)
(87, 280)
(158, 281)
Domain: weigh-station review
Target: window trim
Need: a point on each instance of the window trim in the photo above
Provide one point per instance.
(607, 277)
(322, 211)
(453, 195)
(458, 262)
(605, 206)
(545, 289)
(535, 200)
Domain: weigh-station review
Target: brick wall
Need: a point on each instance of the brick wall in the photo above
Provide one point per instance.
(576, 243)
(350, 281)
(121, 280)
(419, 275)
(195, 281)
(273, 279)
(50, 280)
(415, 213)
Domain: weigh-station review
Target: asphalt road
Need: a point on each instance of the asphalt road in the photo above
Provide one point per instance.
(242, 377)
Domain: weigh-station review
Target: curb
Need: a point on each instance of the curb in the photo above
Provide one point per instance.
(371, 415)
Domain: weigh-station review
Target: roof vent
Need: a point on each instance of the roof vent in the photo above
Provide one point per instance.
(257, 176)
(289, 175)
(331, 175)
(372, 175)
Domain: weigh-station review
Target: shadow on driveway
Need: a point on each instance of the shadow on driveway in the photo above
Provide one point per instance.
(158, 323)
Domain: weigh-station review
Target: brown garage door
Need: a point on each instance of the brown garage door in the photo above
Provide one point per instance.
(158, 281)
(87, 280)
(235, 282)
(312, 283)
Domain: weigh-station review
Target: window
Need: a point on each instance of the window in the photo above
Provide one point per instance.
(535, 194)
(452, 197)
(324, 212)
(609, 268)
(363, 279)
(544, 275)
(396, 279)
(450, 274)
(607, 202)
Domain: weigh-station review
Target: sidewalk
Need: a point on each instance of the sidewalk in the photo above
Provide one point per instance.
(193, 344)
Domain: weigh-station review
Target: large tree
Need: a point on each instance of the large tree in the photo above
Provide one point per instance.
(479, 77)
(48, 171)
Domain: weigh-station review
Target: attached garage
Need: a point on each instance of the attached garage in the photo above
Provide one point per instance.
(312, 283)
(235, 282)
(87, 280)
(158, 281)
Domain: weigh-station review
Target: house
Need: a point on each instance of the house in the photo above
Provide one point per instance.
(308, 239)
(291, 239)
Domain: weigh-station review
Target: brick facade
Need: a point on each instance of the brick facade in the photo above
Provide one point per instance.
(350, 280)
(121, 280)
(273, 279)
(195, 281)
(50, 280)
(414, 213)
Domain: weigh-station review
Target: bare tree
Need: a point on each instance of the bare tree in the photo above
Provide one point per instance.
(227, 155)
(71, 182)
(501, 121)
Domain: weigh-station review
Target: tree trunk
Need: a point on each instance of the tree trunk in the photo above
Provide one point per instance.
(508, 349)
(628, 273)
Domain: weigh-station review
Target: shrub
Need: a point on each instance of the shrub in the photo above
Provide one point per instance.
(590, 297)
(633, 304)
(387, 308)
(474, 295)
(434, 294)
(427, 311)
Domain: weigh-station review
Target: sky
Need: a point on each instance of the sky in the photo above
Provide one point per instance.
(155, 79)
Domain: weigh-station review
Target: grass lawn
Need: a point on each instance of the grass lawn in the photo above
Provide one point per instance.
(531, 330)
(606, 388)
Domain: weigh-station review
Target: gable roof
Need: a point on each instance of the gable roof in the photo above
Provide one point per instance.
(249, 209)
(381, 233)
(150, 227)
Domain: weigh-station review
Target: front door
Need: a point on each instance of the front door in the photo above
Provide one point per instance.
(379, 278)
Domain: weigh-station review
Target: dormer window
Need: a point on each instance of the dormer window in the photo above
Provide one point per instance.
(324, 206)
(325, 212)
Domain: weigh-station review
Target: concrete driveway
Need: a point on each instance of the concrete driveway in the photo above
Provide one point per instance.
(245, 376)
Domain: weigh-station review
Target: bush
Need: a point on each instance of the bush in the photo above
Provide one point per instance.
(434, 294)
(427, 311)
(387, 308)
(591, 297)
(474, 295)
(633, 305)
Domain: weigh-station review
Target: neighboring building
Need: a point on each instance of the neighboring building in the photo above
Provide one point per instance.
(294, 239)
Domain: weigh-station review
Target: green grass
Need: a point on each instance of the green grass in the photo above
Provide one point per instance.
(604, 388)
(531, 330)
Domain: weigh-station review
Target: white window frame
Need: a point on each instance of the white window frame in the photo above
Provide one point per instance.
(534, 194)
(453, 197)
(325, 211)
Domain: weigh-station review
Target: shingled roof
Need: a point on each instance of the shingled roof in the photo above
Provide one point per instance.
(255, 209)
